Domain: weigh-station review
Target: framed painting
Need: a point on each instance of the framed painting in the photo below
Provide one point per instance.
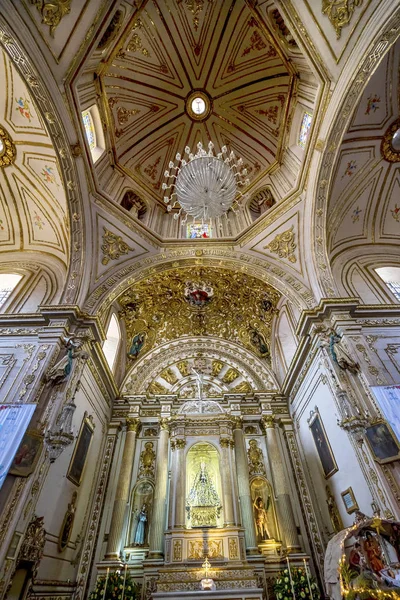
(81, 450)
(322, 444)
(27, 455)
(349, 500)
(382, 442)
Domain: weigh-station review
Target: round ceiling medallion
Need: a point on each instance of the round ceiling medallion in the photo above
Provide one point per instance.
(7, 148)
(198, 105)
(390, 146)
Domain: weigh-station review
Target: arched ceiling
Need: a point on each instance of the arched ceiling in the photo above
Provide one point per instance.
(364, 200)
(171, 49)
(202, 302)
(33, 211)
(226, 367)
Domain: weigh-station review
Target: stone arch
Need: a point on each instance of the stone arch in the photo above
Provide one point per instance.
(149, 367)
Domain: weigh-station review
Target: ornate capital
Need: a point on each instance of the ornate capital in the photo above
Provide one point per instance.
(225, 442)
(132, 424)
(164, 423)
(268, 422)
(237, 423)
(180, 444)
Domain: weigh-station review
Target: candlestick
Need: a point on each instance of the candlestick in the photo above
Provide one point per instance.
(105, 585)
(308, 578)
(290, 577)
(123, 588)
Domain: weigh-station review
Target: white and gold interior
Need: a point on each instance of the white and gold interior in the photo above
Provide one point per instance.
(185, 383)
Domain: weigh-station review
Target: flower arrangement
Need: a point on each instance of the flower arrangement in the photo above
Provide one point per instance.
(302, 582)
(115, 586)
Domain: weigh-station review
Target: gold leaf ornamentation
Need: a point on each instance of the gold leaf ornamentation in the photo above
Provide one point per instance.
(52, 11)
(339, 12)
(388, 151)
(7, 148)
(113, 246)
(283, 245)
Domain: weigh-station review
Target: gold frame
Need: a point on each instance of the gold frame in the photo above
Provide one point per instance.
(18, 471)
(312, 420)
(86, 422)
(354, 507)
(382, 461)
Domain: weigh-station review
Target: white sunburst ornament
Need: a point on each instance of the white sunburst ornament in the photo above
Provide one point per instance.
(206, 185)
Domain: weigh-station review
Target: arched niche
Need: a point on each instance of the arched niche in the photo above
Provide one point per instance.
(264, 509)
(203, 487)
(142, 496)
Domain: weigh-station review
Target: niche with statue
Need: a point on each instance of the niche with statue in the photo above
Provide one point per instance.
(203, 487)
(140, 518)
(264, 511)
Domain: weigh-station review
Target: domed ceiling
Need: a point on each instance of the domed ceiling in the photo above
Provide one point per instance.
(225, 51)
(33, 211)
(200, 302)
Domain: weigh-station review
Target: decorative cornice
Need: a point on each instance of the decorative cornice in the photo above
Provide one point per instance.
(323, 310)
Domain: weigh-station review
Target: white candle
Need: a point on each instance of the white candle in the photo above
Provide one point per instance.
(290, 577)
(123, 588)
(308, 578)
(105, 584)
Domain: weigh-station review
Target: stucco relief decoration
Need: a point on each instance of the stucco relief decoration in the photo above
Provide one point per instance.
(198, 295)
(256, 461)
(52, 11)
(32, 547)
(7, 148)
(340, 12)
(113, 247)
(390, 146)
(283, 245)
(237, 311)
(147, 460)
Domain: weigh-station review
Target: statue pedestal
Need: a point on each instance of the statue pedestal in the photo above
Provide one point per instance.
(270, 548)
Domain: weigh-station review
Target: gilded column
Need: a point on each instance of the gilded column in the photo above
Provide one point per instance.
(281, 485)
(179, 475)
(246, 505)
(157, 524)
(227, 482)
(122, 493)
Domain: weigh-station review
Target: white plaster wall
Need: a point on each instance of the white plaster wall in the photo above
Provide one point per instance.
(316, 392)
(57, 490)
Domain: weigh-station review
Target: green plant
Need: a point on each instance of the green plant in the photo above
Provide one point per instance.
(111, 587)
(283, 589)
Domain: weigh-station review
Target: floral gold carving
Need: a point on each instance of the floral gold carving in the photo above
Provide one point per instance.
(113, 246)
(52, 11)
(233, 548)
(242, 388)
(283, 245)
(132, 424)
(147, 460)
(32, 547)
(177, 550)
(183, 368)
(217, 366)
(230, 376)
(169, 376)
(156, 388)
(388, 152)
(256, 461)
(339, 12)
(7, 148)
(196, 549)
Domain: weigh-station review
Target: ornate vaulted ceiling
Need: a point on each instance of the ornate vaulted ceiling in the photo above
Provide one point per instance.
(199, 302)
(175, 47)
(33, 213)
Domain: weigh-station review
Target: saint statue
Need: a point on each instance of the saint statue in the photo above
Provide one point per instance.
(139, 536)
(373, 552)
(339, 354)
(203, 505)
(261, 518)
(61, 370)
(256, 461)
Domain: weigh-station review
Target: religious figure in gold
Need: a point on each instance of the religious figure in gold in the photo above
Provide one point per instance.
(261, 518)
(334, 514)
(147, 460)
(256, 461)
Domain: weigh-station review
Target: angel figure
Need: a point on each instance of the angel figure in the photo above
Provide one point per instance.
(63, 368)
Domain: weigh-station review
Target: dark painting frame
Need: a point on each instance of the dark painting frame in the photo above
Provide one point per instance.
(81, 451)
(382, 442)
(326, 457)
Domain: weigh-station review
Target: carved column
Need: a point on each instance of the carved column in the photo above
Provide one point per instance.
(179, 474)
(227, 482)
(122, 493)
(246, 505)
(281, 486)
(157, 524)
